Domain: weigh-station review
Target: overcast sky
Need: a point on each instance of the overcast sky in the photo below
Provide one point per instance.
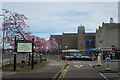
(45, 18)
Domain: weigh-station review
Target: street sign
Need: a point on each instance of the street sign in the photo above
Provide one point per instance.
(100, 41)
(113, 47)
(24, 47)
(66, 46)
(9, 52)
(107, 60)
(89, 43)
(43, 52)
(108, 63)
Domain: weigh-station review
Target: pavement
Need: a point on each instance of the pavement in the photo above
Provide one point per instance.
(48, 72)
(113, 74)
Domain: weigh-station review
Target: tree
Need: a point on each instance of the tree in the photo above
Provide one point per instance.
(15, 25)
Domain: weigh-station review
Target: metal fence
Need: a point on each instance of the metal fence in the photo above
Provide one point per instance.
(8, 58)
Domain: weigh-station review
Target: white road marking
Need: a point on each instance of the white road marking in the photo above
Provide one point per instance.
(78, 66)
(90, 64)
(77, 62)
(103, 76)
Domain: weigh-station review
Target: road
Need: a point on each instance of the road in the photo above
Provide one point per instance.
(83, 70)
(76, 70)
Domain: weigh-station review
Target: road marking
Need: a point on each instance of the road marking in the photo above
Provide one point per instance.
(78, 66)
(77, 62)
(90, 64)
(103, 76)
(63, 73)
(58, 73)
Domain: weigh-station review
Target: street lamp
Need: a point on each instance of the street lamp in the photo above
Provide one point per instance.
(3, 37)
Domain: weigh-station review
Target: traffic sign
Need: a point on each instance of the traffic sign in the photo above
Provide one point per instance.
(66, 46)
(43, 52)
(108, 64)
(9, 52)
(113, 47)
(107, 60)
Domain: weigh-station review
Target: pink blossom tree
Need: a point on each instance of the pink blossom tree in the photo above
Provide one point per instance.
(15, 25)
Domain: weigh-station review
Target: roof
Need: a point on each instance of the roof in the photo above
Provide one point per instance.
(81, 26)
(71, 50)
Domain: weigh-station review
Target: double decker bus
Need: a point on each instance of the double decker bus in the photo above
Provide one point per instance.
(73, 54)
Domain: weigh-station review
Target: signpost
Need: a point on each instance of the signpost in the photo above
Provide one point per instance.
(15, 50)
(113, 51)
(32, 66)
(23, 46)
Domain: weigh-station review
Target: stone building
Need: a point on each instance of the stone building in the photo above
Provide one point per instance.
(108, 35)
(79, 40)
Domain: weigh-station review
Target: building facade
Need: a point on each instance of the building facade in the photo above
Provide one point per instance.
(79, 40)
(105, 37)
(108, 35)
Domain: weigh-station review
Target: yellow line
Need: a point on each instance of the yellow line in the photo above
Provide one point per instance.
(63, 73)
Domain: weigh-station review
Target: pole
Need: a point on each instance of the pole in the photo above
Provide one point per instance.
(15, 50)
(14, 61)
(32, 66)
(29, 59)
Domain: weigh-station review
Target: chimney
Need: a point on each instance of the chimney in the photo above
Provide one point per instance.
(111, 20)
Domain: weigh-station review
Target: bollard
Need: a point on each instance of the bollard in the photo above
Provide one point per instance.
(99, 61)
(108, 64)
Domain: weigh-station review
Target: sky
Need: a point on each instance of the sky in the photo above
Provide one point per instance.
(45, 18)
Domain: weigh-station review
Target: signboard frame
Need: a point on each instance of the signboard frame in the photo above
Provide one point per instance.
(23, 41)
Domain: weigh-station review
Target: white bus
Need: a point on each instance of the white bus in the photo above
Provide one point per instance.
(73, 54)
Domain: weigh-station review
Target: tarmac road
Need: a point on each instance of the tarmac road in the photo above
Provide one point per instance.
(80, 70)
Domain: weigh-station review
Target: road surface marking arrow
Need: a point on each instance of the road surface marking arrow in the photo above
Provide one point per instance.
(78, 66)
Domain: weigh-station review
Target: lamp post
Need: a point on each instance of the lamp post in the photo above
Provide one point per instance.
(3, 37)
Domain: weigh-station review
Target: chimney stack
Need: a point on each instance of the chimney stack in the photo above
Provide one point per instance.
(111, 20)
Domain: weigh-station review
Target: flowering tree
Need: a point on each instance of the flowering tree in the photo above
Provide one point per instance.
(42, 44)
(52, 44)
(14, 25)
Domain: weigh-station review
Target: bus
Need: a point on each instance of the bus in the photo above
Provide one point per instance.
(73, 54)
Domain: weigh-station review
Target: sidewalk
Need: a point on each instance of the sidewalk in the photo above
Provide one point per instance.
(113, 74)
(102, 68)
(49, 71)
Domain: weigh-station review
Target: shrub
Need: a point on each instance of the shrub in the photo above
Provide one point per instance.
(23, 60)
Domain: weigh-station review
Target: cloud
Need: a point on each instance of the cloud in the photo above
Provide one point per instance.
(60, 0)
(50, 18)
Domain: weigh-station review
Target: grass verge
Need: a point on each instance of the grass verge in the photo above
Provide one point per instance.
(24, 67)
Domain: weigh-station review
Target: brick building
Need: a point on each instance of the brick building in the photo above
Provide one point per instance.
(79, 40)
